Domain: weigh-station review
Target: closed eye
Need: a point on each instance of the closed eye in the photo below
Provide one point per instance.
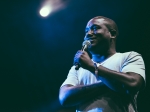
(93, 28)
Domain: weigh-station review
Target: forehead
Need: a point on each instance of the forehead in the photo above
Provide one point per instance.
(96, 21)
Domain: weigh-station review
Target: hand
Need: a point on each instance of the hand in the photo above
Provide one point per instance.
(83, 59)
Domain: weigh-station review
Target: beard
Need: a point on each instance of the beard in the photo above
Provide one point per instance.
(101, 49)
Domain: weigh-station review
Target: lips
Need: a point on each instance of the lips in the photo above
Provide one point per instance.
(92, 40)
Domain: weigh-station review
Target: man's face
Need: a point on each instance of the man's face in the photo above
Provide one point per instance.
(98, 34)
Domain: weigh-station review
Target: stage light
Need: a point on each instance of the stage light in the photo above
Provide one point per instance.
(51, 6)
(45, 11)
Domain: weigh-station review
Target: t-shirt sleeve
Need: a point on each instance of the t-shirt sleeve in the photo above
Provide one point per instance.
(134, 63)
(72, 77)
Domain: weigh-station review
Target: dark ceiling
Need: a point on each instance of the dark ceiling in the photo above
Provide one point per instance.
(37, 53)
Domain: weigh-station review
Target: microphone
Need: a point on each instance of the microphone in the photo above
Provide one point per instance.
(85, 45)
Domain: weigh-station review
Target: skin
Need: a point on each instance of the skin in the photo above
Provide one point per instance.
(102, 47)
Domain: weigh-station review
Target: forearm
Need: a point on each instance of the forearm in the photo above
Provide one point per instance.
(73, 95)
(130, 82)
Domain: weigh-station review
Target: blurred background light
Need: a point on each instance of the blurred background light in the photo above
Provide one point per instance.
(45, 11)
(49, 6)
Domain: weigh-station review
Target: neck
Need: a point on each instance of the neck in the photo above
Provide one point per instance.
(101, 57)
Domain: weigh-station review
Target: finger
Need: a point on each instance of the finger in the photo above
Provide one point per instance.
(76, 61)
(78, 54)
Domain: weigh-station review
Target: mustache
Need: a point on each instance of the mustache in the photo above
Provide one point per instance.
(89, 37)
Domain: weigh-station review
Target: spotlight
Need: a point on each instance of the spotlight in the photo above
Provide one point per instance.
(45, 11)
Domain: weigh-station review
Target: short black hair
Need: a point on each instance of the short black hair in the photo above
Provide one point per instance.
(110, 24)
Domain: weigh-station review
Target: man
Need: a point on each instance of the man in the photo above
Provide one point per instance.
(110, 81)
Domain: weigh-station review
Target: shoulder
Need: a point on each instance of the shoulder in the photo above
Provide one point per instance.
(130, 57)
(133, 57)
(130, 54)
(133, 62)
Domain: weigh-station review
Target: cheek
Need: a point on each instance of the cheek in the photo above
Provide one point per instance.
(101, 36)
(98, 32)
(103, 41)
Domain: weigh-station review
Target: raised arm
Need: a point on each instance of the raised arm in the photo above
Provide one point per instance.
(126, 81)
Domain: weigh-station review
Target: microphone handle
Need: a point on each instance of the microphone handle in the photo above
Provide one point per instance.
(77, 67)
(83, 49)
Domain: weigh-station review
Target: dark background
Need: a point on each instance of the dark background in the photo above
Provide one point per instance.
(36, 53)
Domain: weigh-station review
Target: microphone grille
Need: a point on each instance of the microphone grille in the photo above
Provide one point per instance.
(86, 42)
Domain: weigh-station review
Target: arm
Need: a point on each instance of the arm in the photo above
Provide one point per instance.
(70, 95)
(130, 82)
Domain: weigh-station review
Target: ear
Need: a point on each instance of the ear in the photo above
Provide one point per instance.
(112, 34)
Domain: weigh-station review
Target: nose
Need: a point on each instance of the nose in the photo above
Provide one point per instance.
(90, 32)
(88, 35)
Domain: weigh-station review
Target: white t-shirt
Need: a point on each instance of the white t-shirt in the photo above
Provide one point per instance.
(120, 62)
